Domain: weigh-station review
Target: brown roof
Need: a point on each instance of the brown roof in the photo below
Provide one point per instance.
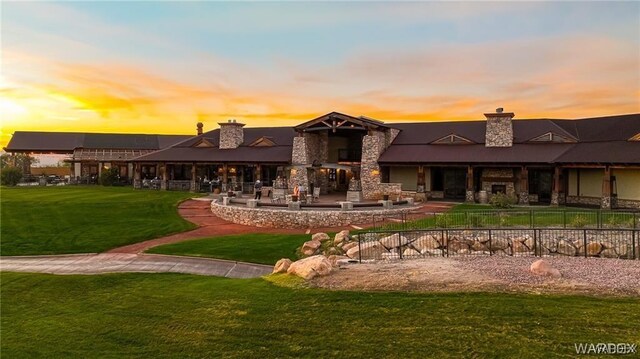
(275, 154)
(598, 140)
(66, 142)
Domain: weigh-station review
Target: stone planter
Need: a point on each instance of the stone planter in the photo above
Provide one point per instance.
(294, 198)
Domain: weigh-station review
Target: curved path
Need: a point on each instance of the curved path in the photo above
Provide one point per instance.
(198, 211)
(119, 263)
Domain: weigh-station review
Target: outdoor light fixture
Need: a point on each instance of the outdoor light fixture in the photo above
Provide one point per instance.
(294, 171)
(232, 170)
(375, 172)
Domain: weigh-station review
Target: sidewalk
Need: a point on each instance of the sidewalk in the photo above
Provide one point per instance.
(123, 263)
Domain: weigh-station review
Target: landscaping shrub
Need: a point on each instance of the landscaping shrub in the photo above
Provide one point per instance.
(579, 221)
(110, 177)
(443, 221)
(10, 176)
(501, 200)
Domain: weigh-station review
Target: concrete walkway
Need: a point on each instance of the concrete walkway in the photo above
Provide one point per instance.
(120, 263)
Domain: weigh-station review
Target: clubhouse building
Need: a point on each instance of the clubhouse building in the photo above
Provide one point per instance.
(592, 161)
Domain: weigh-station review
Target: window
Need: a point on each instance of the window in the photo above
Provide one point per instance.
(552, 137)
(436, 179)
(452, 140)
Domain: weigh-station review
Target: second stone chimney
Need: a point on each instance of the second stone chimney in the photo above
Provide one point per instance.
(499, 131)
(231, 134)
(199, 125)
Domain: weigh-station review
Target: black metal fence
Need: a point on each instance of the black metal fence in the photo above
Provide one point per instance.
(512, 219)
(539, 242)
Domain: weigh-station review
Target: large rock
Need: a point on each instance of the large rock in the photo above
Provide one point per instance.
(282, 265)
(519, 247)
(426, 242)
(310, 267)
(594, 249)
(458, 246)
(566, 248)
(369, 250)
(544, 268)
(394, 241)
(608, 253)
(349, 245)
(335, 260)
(341, 237)
(479, 246)
(499, 243)
(320, 237)
(410, 253)
(310, 248)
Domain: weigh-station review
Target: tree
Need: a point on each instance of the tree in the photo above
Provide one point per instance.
(110, 177)
(10, 176)
(22, 161)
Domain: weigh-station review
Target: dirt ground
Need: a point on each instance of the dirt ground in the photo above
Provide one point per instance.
(590, 276)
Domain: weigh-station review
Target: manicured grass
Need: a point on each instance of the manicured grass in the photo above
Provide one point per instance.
(251, 247)
(53, 220)
(485, 216)
(185, 316)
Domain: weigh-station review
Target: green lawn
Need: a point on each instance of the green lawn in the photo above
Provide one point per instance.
(53, 220)
(253, 247)
(187, 316)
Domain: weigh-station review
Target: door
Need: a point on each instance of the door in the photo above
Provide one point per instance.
(455, 183)
(541, 183)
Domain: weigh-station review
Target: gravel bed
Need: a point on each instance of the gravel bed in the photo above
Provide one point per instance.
(603, 275)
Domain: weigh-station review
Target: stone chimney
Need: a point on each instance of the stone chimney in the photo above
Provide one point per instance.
(499, 131)
(199, 125)
(231, 134)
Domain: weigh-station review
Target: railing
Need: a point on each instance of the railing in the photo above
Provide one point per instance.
(534, 242)
(515, 219)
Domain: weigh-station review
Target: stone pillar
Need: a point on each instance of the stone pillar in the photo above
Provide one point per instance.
(164, 174)
(193, 186)
(137, 182)
(524, 186)
(372, 147)
(225, 177)
(99, 170)
(258, 174)
(298, 174)
(606, 189)
(555, 192)
(469, 195)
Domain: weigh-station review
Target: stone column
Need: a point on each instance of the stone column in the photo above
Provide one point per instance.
(225, 177)
(555, 192)
(164, 174)
(299, 158)
(606, 189)
(258, 174)
(524, 186)
(137, 182)
(372, 147)
(193, 186)
(469, 195)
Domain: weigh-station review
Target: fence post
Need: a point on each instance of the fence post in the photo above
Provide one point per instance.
(490, 246)
(399, 245)
(584, 234)
(530, 218)
(359, 249)
(633, 243)
(535, 243)
(564, 219)
(443, 241)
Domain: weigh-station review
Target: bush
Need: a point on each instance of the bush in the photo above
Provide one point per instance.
(579, 221)
(110, 177)
(10, 176)
(501, 200)
(443, 221)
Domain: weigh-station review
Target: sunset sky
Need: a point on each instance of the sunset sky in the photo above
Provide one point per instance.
(160, 67)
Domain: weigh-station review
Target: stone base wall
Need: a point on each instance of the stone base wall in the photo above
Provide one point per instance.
(394, 190)
(627, 203)
(590, 201)
(284, 218)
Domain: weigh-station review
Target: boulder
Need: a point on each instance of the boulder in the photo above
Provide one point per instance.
(320, 237)
(282, 265)
(310, 247)
(608, 253)
(332, 251)
(594, 249)
(499, 243)
(544, 268)
(369, 250)
(566, 248)
(519, 247)
(426, 242)
(479, 246)
(410, 252)
(529, 242)
(336, 260)
(390, 256)
(341, 237)
(347, 246)
(310, 267)
(433, 252)
(458, 246)
(394, 241)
